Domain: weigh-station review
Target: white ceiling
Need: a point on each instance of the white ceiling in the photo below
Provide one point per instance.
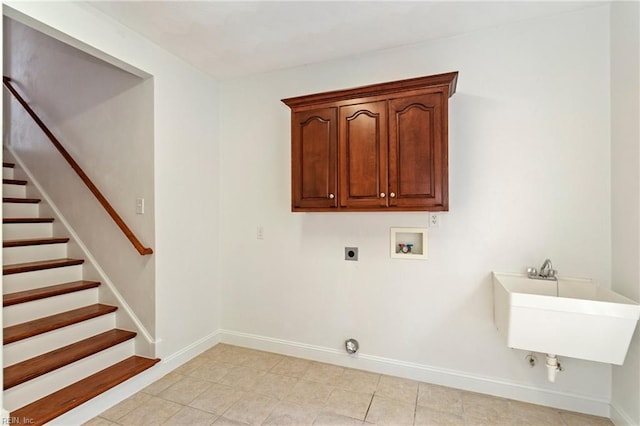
(233, 38)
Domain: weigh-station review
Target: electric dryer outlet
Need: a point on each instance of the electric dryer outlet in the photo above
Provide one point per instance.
(351, 253)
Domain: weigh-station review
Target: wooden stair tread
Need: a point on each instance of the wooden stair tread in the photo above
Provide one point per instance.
(58, 403)
(17, 268)
(50, 361)
(14, 181)
(49, 291)
(27, 219)
(38, 326)
(21, 200)
(34, 242)
(59, 359)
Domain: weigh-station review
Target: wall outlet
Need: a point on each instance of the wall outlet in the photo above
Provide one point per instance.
(139, 205)
(434, 220)
(260, 232)
(351, 253)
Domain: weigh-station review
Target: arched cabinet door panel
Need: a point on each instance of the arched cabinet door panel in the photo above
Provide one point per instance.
(418, 171)
(314, 158)
(363, 155)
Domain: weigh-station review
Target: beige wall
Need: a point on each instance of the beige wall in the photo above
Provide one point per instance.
(183, 163)
(530, 171)
(103, 116)
(625, 194)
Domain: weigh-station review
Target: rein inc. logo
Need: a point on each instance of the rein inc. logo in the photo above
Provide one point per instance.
(18, 421)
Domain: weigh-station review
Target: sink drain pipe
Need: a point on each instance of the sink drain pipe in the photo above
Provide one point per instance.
(553, 367)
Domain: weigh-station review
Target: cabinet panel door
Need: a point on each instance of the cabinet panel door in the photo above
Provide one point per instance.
(363, 155)
(418, 150)
(314, 158)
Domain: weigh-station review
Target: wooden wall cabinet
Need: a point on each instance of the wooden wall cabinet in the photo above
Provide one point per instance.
(382, 147)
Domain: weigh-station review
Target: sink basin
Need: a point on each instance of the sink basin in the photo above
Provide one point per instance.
(571, 317)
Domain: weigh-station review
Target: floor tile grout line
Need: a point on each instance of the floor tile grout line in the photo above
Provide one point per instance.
(415, 405)
(369, 407)
(245, 354)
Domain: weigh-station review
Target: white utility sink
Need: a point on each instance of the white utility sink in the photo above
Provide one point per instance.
(572, 317)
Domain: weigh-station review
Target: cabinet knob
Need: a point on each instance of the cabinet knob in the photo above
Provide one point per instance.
(331, 196)
(382, 195)
(392, 195)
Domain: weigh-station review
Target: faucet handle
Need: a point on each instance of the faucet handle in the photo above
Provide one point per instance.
(532, 272)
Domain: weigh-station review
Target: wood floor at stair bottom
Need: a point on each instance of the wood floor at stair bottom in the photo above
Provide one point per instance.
(38, 326)
(50, 361)
(58, 403)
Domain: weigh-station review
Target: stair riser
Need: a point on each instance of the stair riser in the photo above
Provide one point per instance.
(25, 393)
(14, 191)
(20, 210)
(46, 342)
(7, 173)
(24, 312)
(35, 279)
(11, 255)
(22, 231)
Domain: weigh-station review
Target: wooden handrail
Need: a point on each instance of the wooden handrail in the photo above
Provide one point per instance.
(83, 176)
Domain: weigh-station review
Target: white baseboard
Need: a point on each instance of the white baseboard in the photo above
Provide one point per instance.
(620, 418)
(99, 404)
(424, 373)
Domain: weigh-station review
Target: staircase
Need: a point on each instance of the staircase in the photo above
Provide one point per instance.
(61, 346)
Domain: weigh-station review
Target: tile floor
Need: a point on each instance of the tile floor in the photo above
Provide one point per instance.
(230, 385)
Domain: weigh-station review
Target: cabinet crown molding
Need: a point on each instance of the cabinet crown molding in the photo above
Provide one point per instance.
(449, 80)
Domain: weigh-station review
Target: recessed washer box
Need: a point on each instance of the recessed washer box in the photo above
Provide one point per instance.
(409, 243)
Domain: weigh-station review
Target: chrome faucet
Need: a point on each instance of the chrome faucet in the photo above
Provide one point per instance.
(546, 272)
(547, 269)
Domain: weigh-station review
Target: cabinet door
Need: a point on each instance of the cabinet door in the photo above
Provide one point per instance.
(363, 155)
(314, 159)
(418, 169)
